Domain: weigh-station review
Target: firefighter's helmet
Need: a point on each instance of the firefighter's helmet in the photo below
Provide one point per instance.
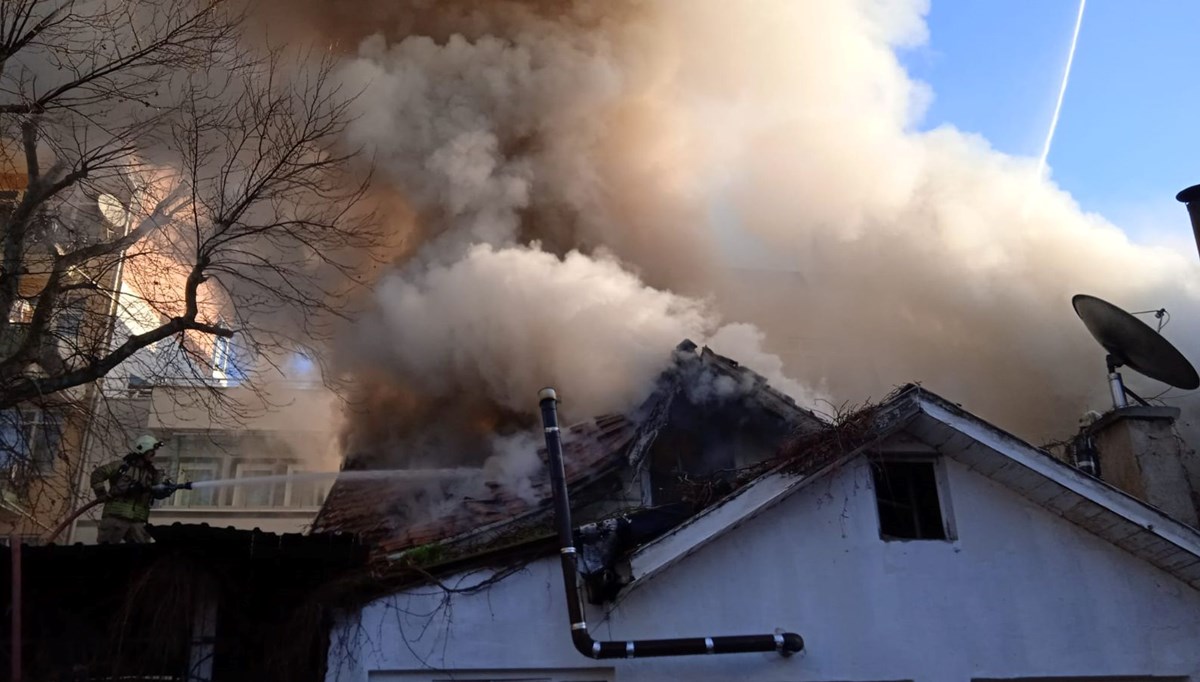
(146, 444)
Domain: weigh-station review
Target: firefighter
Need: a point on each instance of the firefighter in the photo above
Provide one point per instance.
(132, 482)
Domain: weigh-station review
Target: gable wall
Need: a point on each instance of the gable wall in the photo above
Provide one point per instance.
(1020, 593)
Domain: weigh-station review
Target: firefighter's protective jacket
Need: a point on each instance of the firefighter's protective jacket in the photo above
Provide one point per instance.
(129, 482)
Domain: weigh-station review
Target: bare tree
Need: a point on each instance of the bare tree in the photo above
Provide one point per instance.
(154, 170)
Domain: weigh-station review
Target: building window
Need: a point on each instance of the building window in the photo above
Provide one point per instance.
(909, 503)
(191, 471)
(225, 358)
(302, 491)
(256, 495)
(30, 438)
(222, 354)
(21, 312)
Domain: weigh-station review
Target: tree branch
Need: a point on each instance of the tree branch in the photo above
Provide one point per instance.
(250, 237)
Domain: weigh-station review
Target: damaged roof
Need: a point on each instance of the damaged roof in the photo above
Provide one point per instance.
(380, 513)
(913, 415)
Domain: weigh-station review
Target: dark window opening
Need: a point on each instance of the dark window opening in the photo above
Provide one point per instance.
(907, 496)
(701, 449)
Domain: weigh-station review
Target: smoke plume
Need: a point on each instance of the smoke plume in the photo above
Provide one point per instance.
(585, 184)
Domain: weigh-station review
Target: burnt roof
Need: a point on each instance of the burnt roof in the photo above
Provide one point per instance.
(594, 450)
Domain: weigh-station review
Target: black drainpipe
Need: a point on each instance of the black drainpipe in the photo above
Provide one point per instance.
(786, 644)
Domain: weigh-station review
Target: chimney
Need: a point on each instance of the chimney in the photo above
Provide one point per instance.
(1139, 453)
(1191, 198)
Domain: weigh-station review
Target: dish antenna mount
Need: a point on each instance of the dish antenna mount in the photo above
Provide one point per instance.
(1134, 344)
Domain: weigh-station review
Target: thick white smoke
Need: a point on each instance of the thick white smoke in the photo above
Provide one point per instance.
(565, 161)
(920, 256)
(506, 322)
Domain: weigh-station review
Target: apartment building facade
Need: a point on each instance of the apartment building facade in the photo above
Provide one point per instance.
(42, 442)
(282, 433)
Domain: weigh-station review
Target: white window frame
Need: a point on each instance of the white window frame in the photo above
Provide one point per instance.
(182, 499)
(259, 468)
(30, 429)
(320, 489)
(21, 312)
(222, 354)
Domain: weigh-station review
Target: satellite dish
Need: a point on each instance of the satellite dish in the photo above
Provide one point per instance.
(1134, 344)
(113, 210)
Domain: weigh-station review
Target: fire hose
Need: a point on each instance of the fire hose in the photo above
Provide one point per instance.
(159, 492)
(71, 519)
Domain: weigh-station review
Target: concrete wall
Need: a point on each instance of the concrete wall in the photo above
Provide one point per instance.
(1021, 593)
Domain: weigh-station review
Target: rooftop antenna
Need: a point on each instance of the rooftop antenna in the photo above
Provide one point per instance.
(1134, 344)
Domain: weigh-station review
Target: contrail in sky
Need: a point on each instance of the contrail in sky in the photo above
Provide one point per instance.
(1062, 91)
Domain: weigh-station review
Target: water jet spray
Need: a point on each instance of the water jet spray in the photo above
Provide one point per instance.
(345, 476)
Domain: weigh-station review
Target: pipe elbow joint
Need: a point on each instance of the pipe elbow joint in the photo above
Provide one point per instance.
(792, 644)
(584, 643)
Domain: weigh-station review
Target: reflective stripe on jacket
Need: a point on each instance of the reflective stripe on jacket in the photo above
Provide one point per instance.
(129, 485)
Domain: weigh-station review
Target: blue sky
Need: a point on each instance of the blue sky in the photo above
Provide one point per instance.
(1129, 135)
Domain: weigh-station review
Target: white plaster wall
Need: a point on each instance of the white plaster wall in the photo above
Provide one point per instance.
(1021, 593)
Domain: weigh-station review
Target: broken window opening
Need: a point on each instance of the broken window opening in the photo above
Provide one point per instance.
(906, 495)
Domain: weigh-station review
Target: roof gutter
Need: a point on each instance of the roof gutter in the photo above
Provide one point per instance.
(786, 643)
